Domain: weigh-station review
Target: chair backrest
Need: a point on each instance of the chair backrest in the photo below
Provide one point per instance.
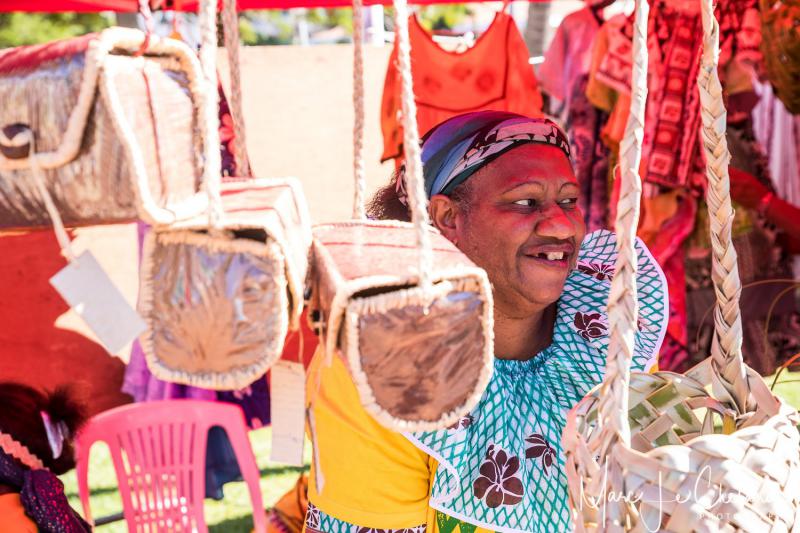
(158, 450)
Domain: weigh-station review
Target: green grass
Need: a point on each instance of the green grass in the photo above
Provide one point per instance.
(232, 514)
(788, 387)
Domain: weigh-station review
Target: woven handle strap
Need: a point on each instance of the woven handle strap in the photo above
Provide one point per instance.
(359, 172)
(730, 382)
(623, 308)
(209, 106)
(415, 184)
(230, 30)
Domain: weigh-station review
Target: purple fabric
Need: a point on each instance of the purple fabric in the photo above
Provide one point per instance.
(43, 498)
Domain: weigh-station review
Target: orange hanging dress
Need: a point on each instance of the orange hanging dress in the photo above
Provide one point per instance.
(494, 74)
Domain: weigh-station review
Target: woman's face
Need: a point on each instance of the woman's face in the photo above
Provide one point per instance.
(521, 223)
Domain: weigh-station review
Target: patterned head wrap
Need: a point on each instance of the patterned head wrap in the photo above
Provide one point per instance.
(457, 148)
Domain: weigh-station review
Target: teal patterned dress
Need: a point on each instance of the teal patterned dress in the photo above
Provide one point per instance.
(502, 466)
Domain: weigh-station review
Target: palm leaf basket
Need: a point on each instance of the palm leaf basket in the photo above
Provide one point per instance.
(711, 450)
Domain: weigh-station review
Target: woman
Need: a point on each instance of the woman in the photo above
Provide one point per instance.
(36, 433)
(502, 189)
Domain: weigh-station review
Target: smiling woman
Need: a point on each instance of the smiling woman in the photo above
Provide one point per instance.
(501, 188)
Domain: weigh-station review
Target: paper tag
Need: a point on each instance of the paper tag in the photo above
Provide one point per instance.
(88, 290)
(288, 412)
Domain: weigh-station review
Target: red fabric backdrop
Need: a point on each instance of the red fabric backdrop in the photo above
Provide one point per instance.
(92, 6)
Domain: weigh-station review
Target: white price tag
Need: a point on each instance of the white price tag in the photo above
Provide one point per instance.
(288, 412)
(88, 290)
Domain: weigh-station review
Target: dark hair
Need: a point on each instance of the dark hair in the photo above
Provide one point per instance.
(20, 416)
(385, 204)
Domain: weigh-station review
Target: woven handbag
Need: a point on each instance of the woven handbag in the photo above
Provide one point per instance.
(419, 359)
(218, 293)
(112, 120)
(410, 314)
(780, 47)
(218, 304)
(712, 450)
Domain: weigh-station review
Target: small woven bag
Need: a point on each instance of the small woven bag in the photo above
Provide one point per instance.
(219, 293)
(712, 450)
(410, 314)
(110, 119)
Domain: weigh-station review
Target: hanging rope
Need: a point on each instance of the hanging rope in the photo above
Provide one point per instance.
(726, 348)
(230, 30)
(41, 186)
(359, 173)
(415, 184)
(623, 307)
(210, 102)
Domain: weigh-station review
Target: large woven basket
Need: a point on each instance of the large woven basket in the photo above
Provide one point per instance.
(711, 450)
(111, 119)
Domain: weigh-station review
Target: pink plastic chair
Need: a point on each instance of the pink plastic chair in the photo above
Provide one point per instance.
(159, 454)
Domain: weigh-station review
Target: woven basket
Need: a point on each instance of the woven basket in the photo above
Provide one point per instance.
(114, 131)
(780, 47)
(711, 450)
(218, 304)
(420, 360)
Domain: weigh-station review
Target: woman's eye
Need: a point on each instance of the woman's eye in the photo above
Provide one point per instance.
(527, 203)
(568, 202)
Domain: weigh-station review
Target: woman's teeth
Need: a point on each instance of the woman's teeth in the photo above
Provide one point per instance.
(551, 256)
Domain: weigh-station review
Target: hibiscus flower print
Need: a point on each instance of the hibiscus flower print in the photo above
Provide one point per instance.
(464, 423)
(589, 325)
(539, 448)
(499, 481)
(600, 271)
(312, 517)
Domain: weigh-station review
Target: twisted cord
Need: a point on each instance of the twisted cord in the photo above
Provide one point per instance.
(359, 172)
(413, 161)
(230, 29)
(209, 105)
(730, 382)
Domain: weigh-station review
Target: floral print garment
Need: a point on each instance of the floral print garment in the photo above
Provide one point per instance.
(502, 467)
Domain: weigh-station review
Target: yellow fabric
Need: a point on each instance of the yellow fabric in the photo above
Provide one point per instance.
(12, 516)
(373, 477)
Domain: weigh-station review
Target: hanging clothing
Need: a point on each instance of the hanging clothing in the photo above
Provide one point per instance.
(569, 56)
(564, 75)
(770, 317)
(501, 467)
(673, 166)
(494, 74)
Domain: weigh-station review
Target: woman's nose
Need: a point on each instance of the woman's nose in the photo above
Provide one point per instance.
(555, 224)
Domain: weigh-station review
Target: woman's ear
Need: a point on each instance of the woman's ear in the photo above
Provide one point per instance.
(444, 211)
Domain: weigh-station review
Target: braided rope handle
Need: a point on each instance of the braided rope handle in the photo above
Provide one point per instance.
(623, 306)
(415, 184)
(209, 104)
(230, 30)
(359, 172)
(729, 377)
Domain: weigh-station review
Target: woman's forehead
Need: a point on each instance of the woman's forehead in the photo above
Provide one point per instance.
(529, 165)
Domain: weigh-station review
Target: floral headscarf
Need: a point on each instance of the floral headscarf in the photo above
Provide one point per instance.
(455, 149)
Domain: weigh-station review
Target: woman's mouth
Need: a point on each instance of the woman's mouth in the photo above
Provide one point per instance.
(553, 259)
